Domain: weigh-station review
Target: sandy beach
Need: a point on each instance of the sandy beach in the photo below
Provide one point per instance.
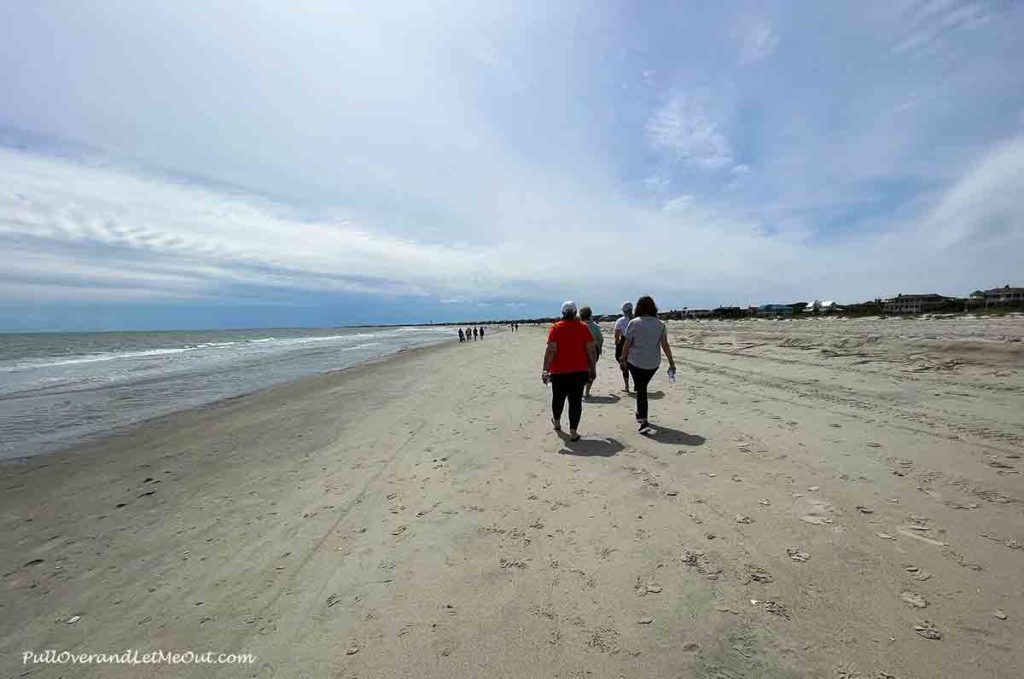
(823, 498)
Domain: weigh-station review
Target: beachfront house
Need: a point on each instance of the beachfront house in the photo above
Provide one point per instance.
(774, 310)
(1004, 296)
(916, 304)
(821, 307)
(696, 313)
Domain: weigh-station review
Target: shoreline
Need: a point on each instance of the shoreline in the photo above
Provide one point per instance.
(798, 512)
(126, 429)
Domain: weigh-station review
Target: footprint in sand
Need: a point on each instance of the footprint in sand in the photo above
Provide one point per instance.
(813, 510)
(913, 599)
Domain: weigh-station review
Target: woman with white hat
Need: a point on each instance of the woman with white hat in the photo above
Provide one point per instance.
(570, 362)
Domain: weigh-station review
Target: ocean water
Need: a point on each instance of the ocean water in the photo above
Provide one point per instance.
(60, 389)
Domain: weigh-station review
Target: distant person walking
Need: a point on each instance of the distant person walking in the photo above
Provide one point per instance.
(570, 361)
(462, 337)
(587, 316)
(646, 338)
(481, 332)
(619, 335)
(474, 334)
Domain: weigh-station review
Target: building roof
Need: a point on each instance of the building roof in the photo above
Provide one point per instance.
(1003, 290)
(930, 295)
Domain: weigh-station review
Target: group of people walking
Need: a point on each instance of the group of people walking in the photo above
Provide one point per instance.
(574, 345)
(471, 334)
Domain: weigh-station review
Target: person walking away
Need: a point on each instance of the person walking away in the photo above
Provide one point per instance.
(570, 361)
(462, 337)
(587, 316)
(619, 335)
(646, 337)
(474, 334)
(481, 332)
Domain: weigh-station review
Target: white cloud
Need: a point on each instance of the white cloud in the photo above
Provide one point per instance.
(678, 204)
(684, 129)
(758, 43)
(933, 23)
(983, 207)
(78, 232)
(113, 223)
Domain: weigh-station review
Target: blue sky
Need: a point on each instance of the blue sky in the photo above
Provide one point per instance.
(264, 163)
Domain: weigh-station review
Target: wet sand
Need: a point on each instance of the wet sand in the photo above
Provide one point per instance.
(816, 490)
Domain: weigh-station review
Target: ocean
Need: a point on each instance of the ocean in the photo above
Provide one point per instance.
(61, 389)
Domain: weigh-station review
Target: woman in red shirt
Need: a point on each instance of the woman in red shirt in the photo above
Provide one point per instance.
(570, 362)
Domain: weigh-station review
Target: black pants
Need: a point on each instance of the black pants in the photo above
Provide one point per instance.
(641, 378)
(568, 385)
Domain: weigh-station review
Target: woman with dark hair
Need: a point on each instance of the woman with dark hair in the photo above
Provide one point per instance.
(570, 361)
(646, 338)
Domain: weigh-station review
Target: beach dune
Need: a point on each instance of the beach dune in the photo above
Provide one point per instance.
(822, 498)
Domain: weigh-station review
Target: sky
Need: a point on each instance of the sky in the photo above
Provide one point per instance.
(257, 164)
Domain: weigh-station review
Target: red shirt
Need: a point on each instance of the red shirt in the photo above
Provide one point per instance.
(572, 338)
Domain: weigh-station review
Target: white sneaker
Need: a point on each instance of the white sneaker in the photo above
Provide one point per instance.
(644, 428)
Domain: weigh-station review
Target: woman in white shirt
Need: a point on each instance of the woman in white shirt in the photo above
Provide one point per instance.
(645, 339)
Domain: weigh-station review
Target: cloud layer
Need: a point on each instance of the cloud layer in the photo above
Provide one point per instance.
(507, 155)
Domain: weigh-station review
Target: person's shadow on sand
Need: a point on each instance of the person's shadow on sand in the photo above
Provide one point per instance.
(651, 395)
(676, 437)
(590, 447)
(610, 398)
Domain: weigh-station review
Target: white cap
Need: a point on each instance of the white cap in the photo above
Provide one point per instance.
(627, 307)
(568, 306)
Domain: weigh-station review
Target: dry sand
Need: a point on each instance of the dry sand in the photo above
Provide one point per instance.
(418, 518)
